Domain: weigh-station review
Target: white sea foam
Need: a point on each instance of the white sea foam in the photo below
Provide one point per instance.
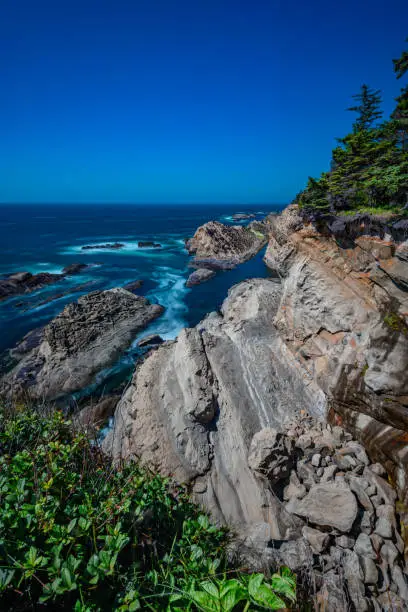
(129, 247)
(170, 292)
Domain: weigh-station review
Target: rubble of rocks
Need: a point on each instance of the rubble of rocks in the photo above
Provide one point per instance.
(351, 545)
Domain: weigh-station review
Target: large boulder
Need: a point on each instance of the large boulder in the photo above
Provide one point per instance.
(218, 246)
(328, 505)
(86, 337)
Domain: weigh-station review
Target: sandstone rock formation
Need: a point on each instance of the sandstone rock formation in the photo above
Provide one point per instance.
(217, 246)
(343, 315)
(86, 337)
(328, 337)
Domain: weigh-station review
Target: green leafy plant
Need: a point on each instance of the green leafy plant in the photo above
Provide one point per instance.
(78, 533)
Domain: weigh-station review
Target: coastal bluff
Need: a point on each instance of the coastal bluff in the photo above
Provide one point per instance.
(291, 402)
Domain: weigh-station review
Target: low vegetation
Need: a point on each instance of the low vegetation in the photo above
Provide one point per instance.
(77, 533)
(369, 167)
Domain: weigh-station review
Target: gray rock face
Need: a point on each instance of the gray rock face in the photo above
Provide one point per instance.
(86, 337)
(224, 246)
(194, 406)
(322, 504)
(199, 276)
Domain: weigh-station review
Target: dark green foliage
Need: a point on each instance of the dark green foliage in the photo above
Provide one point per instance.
(369, 168)
(77, 533)
(368, 108)
(400, 114)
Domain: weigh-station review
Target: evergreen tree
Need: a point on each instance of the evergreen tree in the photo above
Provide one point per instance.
(400, 114)
(368, 108)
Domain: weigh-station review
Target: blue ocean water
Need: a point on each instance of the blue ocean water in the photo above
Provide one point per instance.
(46, 238)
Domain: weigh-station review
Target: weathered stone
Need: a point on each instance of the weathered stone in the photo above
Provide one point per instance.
(306, 473)
(151, 340)
(354, 576)
(401, 582)
(294, 489)
(332, 595)
(384, 490)
(357, 488)
(376, 541)
(366, 524)
(317, 539)
(214, 242)
(328, 505)
(345, 541)
(199, 276)
(384, 528)
(378, 469)
(369, 570)
(390, 602)
(363, 546)
(304, 441)
(271, 454)
(389, 553)
(329, 472)
(316, 460)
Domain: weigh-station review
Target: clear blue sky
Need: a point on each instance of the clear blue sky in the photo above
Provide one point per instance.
(183, 101)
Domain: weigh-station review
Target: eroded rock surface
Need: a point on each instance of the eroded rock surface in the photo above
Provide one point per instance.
(87, 336)
(218, 246)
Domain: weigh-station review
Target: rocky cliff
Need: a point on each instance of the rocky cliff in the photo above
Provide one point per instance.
(326, 338)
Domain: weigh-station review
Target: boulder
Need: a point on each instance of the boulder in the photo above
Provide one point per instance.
(328, 505)
(219, 245)
(133, 285)
(74, 268)
(152, 340)
(115, 246)
(143, 244)
(199, 276)
(317, 539)
(271, 454)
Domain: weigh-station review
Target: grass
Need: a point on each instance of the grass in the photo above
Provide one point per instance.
(381, 211)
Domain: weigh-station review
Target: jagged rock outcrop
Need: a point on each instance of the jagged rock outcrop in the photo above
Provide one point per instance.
(328, 337)
(220, 247)
(343, 315)
(86, 337)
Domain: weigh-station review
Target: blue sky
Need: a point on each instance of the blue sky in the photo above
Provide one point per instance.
(183, 101)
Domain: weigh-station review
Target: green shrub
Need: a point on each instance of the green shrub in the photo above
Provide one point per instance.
(77, 533)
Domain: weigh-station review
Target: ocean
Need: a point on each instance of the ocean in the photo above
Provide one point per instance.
(46, 238)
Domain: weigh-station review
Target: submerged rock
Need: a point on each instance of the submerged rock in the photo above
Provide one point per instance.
(86, 337)
(133, 285)
(142, 244)
(74, 268)
(199, 276)
(107, 245)
(25, 282)
(153, 339)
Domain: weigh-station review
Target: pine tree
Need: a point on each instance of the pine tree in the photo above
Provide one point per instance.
(400, 114)
(368, 108)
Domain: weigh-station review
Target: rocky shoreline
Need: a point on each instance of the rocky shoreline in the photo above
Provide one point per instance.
(24, 282)
(285, 413)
